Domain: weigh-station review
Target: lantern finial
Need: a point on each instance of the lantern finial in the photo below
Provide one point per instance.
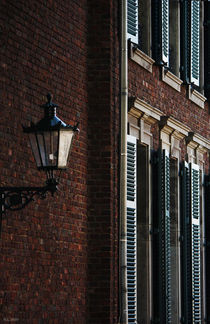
(49, 107)
(49, 98)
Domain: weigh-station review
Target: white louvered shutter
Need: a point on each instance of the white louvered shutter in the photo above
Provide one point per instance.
(207, 232)
(195, 42)
(207, 48)
(160, 31)
(132, 20)
(165, 31)
(186, 246)
(195, 236)
(131, 230)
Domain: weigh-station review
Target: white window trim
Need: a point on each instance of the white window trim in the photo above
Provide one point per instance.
(141, 58)
(171, 79)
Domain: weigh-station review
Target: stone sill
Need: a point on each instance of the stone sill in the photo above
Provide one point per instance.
(196, 97)
(141, 58)
(171, 79)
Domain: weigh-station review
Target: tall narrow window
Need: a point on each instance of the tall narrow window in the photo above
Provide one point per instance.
(145, 26)
(132, 20)
(185, 40)
(131, 230)
(174, 37)
(143, 235)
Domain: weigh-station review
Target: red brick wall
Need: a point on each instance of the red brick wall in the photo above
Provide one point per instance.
(43, 248)
(59, 256)
(103, 82)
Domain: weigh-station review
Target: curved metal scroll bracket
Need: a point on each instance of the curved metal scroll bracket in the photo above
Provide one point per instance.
(17, 198)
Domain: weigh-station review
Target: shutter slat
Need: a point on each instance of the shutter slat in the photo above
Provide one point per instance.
(207, 228)
(132, 20)
(160, 31)
(195, 232)
(191, 243)
(165, 31)
(164, 239)
(207, 48)
(131, 229)
(195, 42)
(186, 248)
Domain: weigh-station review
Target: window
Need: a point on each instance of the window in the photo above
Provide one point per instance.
(160, 31)
(148, 27)
(166, 225)
(191, 41)
(172, 33)
(166, 34)
(174, 37)
(145, 26)
(144, 243)
(139, 24)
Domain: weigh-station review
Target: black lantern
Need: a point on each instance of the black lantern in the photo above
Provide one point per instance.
(51, 141)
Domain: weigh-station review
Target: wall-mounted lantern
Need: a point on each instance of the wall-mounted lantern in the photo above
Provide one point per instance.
(51, 141)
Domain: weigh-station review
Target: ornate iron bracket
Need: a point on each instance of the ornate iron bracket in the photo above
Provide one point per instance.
(16, 198)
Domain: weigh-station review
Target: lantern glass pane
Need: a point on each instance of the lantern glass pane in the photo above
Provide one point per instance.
(35, 150)
(64, 147)
(41, 143)
(51, 148)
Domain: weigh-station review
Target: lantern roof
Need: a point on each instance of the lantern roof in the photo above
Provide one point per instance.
(50, 121)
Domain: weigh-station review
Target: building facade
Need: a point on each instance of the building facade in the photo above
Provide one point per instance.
(74, 258)
(168, 91)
